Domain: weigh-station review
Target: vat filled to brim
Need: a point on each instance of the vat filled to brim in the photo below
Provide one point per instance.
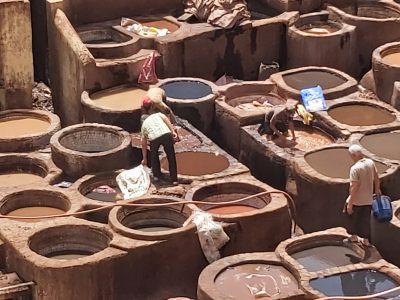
(186, 89)
(311, 78)
(386, 145)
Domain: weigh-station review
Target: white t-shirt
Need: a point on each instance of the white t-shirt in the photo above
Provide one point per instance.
(154, 127)
(363, 173)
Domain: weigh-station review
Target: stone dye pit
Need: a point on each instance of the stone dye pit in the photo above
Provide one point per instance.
(355, 283)
(320, 27)
(160, 24)
(88, 184)
(20, 126)
(361, 115)
(198, 163)
(386, 145)
(119, 98)
(308, 79)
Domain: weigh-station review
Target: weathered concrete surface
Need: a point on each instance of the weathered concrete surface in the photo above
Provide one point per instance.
(16, 62)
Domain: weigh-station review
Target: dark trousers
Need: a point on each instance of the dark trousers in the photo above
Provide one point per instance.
(167, 142)
(361, 221)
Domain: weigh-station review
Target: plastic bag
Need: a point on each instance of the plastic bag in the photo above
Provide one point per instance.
(134, 182)
(212, 236)
(148, 72)
(313, 99)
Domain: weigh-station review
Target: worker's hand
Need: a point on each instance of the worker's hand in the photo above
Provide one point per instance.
(175, 136)
(144, 162)
(378, 192)
(349, 209)
(294, 139)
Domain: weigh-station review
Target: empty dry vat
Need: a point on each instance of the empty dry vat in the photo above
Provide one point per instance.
(323, 251)
(22, 169)
(242, 276)
(265, 216)
(24, 130)
(35, 203)
(270, 161)
(241, 104)
(376, 23)
(152, 223)
(191, 99)
(334, 83)
(322, 182)
(384, 235)
(358, 116)
(316, 40)
(386, 69)
(89, 148)
(88, 184)
(109, 43)
(384, 145)
(119, 106)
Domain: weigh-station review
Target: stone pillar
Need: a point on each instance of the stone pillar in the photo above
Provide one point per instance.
(16, 63)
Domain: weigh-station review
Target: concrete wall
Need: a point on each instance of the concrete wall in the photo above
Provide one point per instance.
(16, 64)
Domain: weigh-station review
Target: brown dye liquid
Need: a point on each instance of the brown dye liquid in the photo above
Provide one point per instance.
(335, 162)
(306, 140)
(231, 209)
(69, 255)
(308, 79)
(13, 179)
(319, 28)
(242, 282)
(198, 163)
(326, 257)
(160, 24)
(11, 127)
(361, 115)
(105, 41)
(154, 228)
(111, 197)
(120, 98)
(392, 59)
(35, 211)
(385, 145)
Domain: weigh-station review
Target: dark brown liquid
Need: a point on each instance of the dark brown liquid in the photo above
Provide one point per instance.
(335, 162)
(120, 98)
(385, 145)
(160, 24)
(326, 257)
(392, 59)
(242, 282)
(308, 79)
(14, 179)
(198, 163)
(12, 127)
(68, 255)
(356, 283)
(111, 197)
(361, 115)
(154, 228)
(35, 211)
(231, 209)
(307, 139)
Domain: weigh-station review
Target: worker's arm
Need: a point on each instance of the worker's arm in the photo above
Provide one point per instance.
(144, 149)
(291, 127)
(168, 123)
(272, 124)
(377, 184)
(354, 187)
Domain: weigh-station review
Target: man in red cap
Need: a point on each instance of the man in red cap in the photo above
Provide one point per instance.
(158, 130)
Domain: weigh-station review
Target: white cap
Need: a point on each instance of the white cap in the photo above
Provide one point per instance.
(355, 149)
(156, 94)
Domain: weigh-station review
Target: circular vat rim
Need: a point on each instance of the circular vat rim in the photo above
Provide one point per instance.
(386, 49)
(81, 245)
(87, 101)
(209, 97)
(47, 198)
(206, 281)
(56, 144)
(120, 212)
(129, 40)
(268, 207)
(296, 28)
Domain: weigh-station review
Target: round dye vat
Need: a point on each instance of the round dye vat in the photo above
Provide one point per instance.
(356, 283)
(335, 162)
(35, 211)
(250, 102)
(69, 255)
(122, 98)
(307, 139)
(198, 163)
(392, 59)
(319, 28)
(14, 179)
(106, 197)
(244, 281)
(12, 127)
(385, 145)
(186, 89)
(361, 115)
(326, 257)
(308, 79)
(160, 24)
(231, 209)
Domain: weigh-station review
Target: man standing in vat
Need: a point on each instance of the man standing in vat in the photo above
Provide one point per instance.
(364, 180)
(278, 121)
(158, 130)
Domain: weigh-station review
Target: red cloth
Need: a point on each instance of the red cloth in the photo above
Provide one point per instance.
(148, 73)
